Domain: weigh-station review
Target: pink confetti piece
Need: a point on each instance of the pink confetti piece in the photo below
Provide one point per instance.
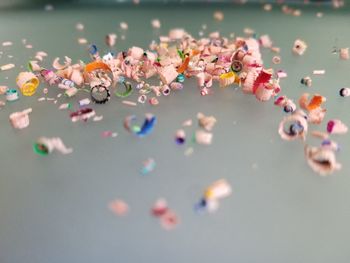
(129, 103)
(169, 220)
(107, 134)
(119, 207)
(159, 208)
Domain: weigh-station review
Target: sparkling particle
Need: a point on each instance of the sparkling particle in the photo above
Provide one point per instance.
(124, 26)
(155, 23)
(79, 26)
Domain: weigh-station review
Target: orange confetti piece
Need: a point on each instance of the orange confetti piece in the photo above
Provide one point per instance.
(195, 52)
(184, 65)
(119, 207)
(315, 102)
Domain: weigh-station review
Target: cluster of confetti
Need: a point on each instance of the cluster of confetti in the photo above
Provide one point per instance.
(214, 60)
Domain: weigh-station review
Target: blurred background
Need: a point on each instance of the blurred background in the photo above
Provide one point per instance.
(55, 209)
(31, 3)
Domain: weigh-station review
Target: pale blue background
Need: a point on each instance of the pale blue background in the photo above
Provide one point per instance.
(54, 208)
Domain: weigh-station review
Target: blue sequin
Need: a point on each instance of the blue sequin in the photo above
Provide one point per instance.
(180, 78)
(93, 49)
(121, 79)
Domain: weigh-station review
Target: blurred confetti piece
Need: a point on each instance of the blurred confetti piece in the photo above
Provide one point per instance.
(159, 208)
(148, 166)
(119, 207)
(168, 218)
(98, 118)
(187, 123)
(108, 134)
(7, 43)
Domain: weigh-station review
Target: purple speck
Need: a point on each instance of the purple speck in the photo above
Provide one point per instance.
(330, 126)
(180, 140)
